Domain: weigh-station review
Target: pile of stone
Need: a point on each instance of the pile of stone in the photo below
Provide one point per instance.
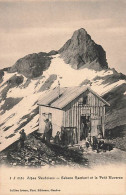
(36, 153)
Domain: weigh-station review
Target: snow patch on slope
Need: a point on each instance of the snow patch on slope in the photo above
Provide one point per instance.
(72, 77)
(67, 76)
(103, 89)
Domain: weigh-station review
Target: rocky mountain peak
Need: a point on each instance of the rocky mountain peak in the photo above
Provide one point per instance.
(82, 51)
(33, 65)
(80, 35)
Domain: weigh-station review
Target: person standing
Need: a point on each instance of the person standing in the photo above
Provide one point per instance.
(57, 138)
(48, 131)
(22, 138)
(82, 136)
(87, 128)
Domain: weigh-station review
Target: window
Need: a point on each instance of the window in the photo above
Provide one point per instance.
(85, 98)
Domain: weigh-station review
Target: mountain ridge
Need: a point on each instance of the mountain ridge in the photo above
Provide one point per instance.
(81, 49)
(80, 52)
(22, 87)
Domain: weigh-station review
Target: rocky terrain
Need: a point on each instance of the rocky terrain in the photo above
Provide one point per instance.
(37, 153)
(32, 65)
(81, 50)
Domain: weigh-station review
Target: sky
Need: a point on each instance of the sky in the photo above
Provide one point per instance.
(32, 26)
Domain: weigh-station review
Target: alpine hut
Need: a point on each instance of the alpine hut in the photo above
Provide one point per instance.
(77, 109)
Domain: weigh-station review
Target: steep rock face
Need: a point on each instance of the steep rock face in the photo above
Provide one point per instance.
(9, 104)
(14, 81)
(116, 113)
(81, 50)
(1, 75)
(109, 79)
(33, 65)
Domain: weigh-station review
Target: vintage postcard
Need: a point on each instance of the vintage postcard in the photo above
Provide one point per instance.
(62, 97)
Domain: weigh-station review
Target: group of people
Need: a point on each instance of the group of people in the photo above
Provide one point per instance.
(46, 136)
(67, 136)
(95, 143)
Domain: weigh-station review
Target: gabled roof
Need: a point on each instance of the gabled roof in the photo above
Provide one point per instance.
(67, 94)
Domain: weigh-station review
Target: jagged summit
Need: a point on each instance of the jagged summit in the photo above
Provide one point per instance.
(81, 50)
(33, 65)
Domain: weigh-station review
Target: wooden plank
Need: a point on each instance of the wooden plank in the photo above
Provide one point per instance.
(98, 102)
(103, 121)
(94, 100)
(101, 111)
(98, 110)
(70, 117)
(40, 117)
(76, 118)
(73, 115)
(78, 123)
(64, 118)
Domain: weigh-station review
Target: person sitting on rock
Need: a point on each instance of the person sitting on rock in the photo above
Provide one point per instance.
(94, 143)
(101, 144)
(87, 142)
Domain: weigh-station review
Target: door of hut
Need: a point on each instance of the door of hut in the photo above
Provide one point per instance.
(95, 123)
(84, 127)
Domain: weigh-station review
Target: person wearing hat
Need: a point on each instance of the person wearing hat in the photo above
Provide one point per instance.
(22, 138)
(48, 130)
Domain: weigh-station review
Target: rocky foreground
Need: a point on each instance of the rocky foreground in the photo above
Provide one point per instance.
(38, 154)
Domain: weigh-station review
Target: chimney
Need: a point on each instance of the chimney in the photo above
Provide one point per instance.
(58, 89)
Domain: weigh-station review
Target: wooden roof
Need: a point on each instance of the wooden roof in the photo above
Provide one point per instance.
(67, 94)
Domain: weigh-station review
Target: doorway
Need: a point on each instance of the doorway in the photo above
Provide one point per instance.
(96, 127)
(84, 127)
